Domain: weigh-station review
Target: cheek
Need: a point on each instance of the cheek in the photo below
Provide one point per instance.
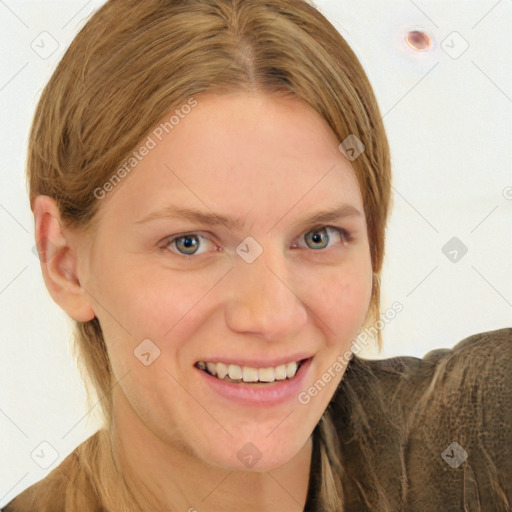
(341, 303)
(150, 301)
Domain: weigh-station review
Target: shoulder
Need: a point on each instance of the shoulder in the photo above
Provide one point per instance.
(29, 500)
(440, 425)
(70, 476)
(454, 376)
(475, 373)
(460, 389)
(462, 425)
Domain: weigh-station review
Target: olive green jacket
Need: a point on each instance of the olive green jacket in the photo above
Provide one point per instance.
(415, 435)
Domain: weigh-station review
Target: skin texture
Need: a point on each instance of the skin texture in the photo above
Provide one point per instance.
(270, 162)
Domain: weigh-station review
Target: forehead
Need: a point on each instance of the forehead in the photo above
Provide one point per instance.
(240, 153)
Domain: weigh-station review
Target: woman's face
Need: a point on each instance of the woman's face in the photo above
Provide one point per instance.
(272, 287)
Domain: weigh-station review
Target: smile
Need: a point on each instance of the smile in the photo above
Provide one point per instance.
(256, 393)
(248, 374)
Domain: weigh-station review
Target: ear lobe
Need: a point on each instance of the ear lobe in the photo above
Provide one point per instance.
(59, 261)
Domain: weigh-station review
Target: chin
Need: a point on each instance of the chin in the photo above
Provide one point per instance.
(253, 456)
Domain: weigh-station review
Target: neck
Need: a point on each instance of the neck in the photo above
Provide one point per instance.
(170, 477)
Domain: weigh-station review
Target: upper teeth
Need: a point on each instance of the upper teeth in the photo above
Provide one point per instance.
(249, 374)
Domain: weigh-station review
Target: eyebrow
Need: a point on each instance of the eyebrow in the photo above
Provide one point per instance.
(215, 219)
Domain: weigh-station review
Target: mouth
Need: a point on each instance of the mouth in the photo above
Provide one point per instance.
(253, 376)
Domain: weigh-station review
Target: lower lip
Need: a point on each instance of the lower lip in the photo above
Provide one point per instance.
(265, 395)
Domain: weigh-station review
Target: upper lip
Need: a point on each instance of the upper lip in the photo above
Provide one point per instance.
(255, 362)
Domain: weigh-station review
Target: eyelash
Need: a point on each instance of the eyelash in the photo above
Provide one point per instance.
(346, 237)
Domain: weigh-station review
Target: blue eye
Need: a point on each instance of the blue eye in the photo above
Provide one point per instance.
(186, 245)
(319, 236)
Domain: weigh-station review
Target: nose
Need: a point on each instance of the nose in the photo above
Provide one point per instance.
(263, 300)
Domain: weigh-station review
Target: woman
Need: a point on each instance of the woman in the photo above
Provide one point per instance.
(210, 182)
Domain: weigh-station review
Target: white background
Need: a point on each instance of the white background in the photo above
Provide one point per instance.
(448, 119)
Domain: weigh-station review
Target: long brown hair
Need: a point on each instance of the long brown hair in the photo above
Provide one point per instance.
(133, 62)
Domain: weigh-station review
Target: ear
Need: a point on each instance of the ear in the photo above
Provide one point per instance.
(58, 257)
